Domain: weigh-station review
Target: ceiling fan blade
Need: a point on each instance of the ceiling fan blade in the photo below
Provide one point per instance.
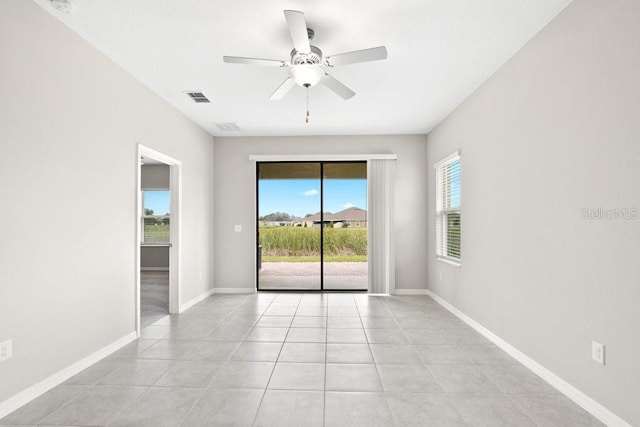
(298, 30)
(364, 55)
(337, 87)
(254, 61)
(282, 90)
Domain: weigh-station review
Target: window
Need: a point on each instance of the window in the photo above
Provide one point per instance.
(448, 208)
(156, 216)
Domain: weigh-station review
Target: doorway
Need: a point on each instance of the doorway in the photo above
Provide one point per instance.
(157, 236)
(312, 226)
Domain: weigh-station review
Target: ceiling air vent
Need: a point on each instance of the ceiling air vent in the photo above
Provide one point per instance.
(228, 126)
(63, 6)
(198, 97)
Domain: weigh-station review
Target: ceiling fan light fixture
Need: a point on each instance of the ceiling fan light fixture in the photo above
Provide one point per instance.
(307, 75)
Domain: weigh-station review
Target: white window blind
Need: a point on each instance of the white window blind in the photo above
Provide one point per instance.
(448, 223)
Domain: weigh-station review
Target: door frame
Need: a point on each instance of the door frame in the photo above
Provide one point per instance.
(389, 252)
(175, 188)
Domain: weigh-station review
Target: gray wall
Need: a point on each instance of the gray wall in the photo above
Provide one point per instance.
(154, 258)
(554, 131)
(155, 177)
(70, 122)
(235, 199)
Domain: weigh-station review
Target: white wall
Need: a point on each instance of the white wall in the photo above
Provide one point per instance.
(554, 131)
(235, 199)
(70, 122)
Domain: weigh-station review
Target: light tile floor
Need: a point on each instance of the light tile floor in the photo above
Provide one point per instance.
(154, 296)
(291, 359)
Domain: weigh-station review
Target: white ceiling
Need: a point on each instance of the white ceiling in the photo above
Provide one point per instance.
(440, 51)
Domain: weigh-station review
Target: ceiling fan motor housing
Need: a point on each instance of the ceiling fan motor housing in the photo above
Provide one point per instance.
(314, 57)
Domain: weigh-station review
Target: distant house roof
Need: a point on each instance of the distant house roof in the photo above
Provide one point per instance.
(349, 214)
(316, 217)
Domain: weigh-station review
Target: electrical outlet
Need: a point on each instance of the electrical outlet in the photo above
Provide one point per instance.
(5, 350)
(597, 352)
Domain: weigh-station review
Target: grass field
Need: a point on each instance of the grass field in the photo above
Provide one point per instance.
(294, 244)
(302, 244)
(156, 233)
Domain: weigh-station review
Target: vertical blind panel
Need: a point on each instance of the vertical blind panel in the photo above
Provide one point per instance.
(382, 236)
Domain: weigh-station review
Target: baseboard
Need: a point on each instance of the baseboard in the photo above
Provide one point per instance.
(26, 396)
(587, 403)
(187, 305)
(234, 290)
(212, 291)
(154, 268)
(411, 292)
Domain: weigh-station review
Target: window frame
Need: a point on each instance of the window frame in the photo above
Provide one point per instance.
(442, 213)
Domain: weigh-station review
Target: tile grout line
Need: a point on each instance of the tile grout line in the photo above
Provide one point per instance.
(384, 392)
(520, 408)
(77, 396)
(216, 374)
(266, 387)
(326, 344)
(186, 415)
(208, 387)
(444, 393)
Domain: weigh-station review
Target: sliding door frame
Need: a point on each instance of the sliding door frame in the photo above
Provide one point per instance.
(321, 163)
(257, 225)
(265, 158)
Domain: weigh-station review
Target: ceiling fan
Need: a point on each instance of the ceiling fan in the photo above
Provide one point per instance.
(307, 64)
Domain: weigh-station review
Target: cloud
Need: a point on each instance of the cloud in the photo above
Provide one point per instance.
(310, 193)
(349, 205)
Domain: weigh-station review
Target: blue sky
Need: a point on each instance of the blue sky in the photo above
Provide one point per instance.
(299, 197)
(157, 200)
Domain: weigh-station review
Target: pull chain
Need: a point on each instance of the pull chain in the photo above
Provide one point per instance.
(307, 118)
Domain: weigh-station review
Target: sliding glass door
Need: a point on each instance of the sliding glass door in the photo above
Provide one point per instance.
(288, 242)
(312, 223)
(344, 239)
